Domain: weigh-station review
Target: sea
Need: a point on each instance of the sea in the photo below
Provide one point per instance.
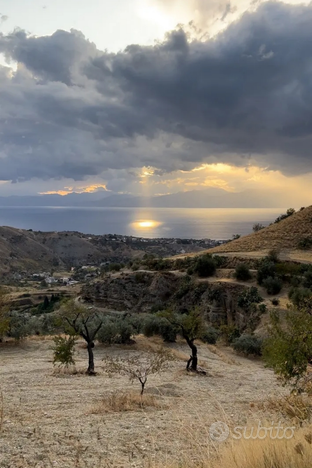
(189, 223)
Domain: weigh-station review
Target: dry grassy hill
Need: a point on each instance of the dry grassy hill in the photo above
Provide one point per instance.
(283, 236)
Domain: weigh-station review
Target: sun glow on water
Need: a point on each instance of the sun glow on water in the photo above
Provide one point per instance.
(145, 225)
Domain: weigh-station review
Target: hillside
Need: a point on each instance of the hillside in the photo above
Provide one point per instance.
(283, 236)
(33, 251)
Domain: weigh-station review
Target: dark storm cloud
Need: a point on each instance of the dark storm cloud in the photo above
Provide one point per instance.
(71, 110)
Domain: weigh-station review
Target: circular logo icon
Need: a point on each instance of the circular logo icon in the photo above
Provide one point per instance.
(219, 431)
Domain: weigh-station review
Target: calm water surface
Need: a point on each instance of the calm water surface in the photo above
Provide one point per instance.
(200, 223)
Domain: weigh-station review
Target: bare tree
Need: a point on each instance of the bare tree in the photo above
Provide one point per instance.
(138, 368)
(81, 321)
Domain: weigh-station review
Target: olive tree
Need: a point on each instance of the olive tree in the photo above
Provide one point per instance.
(78, 320)
(191, 327)
(288, 348)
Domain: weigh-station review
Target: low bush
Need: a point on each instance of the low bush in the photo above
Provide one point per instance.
(266, 269)
(115, 267)
(305, 243)
(242, 272)
(64, 348)
(210, 335)
(250, 296)
(204, 266)
(307, 279)
(272, 285)
(288, 213)
(275, 301)
(248, 345)
(298, 296)
(229, 333)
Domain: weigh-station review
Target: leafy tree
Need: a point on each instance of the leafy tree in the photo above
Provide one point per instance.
(191, 327)
(204, 266)
(64, 348)
(273, 285)
(266, 269)
(155, 325)
(288, 348)
(138, 368)
(242, 272)
(78, 320)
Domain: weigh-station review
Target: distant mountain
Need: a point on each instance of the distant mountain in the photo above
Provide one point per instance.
(208, 198)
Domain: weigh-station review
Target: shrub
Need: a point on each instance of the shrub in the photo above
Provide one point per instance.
(151, 326)
(288, 348)
(305, 243)
(205, 266)
(219, 261)
(298, 296)
(117, 331)
(167, 331)
(272, 285)
(114, 267)
(210, 335)
(257, 227)
(275, 301)
(288, 213)
(262, 308)
(108, 332)
(273, 256)
(18, 326)
(265, 270)
(287, 268)
(242, 272)
(64, 349)
(307, 279)
(250, 296)
(248, 345)
(229, 333)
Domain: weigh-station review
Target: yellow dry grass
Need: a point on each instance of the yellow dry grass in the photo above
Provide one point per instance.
(295, 452)
(284, 235)
(296, 407)
(126, 401)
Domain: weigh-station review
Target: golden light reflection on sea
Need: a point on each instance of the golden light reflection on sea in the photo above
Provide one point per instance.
(144, 225)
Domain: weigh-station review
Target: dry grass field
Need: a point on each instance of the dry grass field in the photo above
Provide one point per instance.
(61, 419)
(283, 236)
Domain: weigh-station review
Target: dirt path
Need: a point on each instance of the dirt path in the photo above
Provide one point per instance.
(47, 420)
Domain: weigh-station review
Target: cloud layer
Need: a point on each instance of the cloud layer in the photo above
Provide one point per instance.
(72, 111)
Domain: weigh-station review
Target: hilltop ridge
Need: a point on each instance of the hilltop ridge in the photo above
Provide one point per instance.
(284, 236)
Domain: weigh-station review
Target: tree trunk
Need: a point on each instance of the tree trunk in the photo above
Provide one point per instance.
(192, 362)
(90, 347)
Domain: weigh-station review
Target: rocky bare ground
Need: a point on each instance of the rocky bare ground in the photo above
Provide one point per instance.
(48, 419)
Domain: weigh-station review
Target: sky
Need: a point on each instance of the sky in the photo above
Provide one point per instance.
(152, 97)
